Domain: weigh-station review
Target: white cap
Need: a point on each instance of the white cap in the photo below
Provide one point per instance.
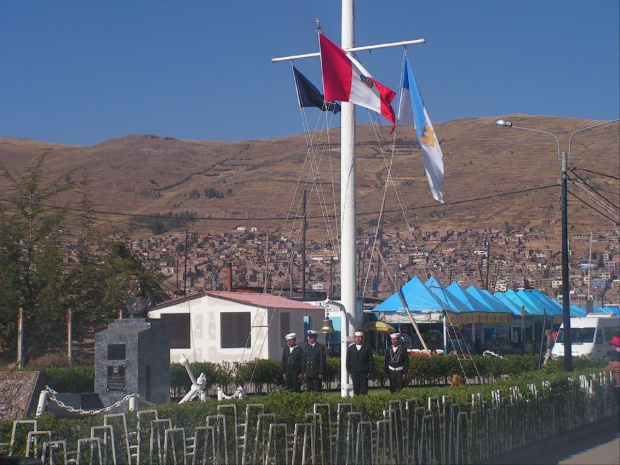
(395, 335)
(290, 336)
(358, 333)
(312, 332)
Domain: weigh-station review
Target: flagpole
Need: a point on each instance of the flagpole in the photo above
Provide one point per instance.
(351, 316)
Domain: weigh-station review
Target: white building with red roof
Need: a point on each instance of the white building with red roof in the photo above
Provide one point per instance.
(234, 326)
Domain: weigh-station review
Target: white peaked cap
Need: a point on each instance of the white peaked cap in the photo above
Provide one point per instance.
(312, 332)
(358, 333)
(395, 335)
(290, 336)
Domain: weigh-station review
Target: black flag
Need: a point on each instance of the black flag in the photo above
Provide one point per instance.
(309, 96)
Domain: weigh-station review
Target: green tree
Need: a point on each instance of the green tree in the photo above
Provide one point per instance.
(31, 257)
(38, 277)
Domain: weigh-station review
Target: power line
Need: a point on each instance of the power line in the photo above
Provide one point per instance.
(597, 211)
(258, 220)
(597, 173)
(595, 190)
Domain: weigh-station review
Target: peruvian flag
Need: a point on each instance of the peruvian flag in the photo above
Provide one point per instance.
(346, 80)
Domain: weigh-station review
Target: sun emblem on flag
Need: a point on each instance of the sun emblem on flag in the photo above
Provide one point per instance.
(428, 137)
(367, 81)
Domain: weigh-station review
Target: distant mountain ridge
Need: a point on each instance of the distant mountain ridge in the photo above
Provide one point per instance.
(252, 183)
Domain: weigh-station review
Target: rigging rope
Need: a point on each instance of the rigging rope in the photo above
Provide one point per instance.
(309, 181)
(389, 164)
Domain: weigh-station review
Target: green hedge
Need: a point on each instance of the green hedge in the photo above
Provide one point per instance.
(266, 375)
(74, 379)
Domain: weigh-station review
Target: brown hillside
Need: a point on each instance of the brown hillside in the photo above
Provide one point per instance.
(484, 164)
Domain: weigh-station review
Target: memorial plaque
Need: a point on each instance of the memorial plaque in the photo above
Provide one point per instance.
(116, 378)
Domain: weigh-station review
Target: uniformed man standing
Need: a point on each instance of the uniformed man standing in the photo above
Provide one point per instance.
(316, 356)
(396, 363)
(360, 364)
(293, 363)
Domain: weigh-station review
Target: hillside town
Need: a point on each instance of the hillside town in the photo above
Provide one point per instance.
(497, 260)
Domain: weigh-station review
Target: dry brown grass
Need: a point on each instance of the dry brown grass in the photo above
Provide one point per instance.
(483, 163)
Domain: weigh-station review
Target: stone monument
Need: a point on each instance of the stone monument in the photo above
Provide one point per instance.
(133, 356)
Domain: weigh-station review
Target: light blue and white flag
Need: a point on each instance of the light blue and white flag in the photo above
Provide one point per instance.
(411, 111)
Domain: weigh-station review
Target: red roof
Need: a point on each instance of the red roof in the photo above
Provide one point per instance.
(262, 300)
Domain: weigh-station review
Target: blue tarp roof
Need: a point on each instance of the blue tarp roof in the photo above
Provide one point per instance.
(460, 294)
(553, 306)
(516, 308)
(418, 297)
(433, 297)
(612, 309)
(521, 300)
(495, 305)
(575, 310)
(542, 308)
(452, 303)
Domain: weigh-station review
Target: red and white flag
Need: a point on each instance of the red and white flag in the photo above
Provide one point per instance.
(346, 80)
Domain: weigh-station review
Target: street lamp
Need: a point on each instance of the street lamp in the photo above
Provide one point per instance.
(562, 156)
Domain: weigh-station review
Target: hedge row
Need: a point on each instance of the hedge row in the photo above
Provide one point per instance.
(264, 376)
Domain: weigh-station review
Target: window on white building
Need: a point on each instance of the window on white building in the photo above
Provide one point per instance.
(285, 326)
(179, 327)
(235, 330)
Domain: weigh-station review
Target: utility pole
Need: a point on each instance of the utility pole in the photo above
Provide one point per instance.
(69, 336)
(265, 287)
(563, 157)
(185, 271)
(20, 338)
(303, 250)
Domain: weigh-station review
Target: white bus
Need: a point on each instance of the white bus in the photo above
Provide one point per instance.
(590, 335)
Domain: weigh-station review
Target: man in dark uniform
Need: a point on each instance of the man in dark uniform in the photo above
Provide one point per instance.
(293, 363)
(396, 363)
(315, 362)
(359, 364)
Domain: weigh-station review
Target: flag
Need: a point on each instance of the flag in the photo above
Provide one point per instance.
(346, 80)
(411, 111)
(309, 96)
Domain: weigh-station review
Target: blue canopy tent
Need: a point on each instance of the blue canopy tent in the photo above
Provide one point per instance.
(541, 307)
(429, 302)
(452, 303)
(611, 309)
(513, 306)
(494, 304)
(420, 301)
(426, 304)
(553, 306)
(522, 301)
(577, 311)
(474, 304)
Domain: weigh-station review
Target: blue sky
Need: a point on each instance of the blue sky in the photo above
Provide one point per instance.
(82, 72)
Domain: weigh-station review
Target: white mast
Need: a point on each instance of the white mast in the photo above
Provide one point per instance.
(351, 315)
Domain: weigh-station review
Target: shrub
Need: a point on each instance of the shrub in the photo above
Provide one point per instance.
(260, 373)
(75, 379)
(332, 370)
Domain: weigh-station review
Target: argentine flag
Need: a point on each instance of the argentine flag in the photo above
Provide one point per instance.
(411, 111)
